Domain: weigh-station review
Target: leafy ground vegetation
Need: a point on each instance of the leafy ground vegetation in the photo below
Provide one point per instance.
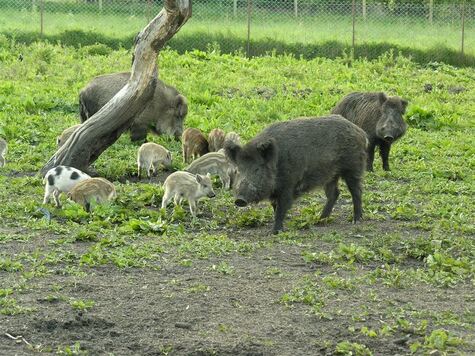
(131, 279)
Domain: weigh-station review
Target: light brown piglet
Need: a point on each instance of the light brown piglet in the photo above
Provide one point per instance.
(99, 190)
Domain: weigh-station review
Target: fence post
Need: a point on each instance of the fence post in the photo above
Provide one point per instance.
(296, 8)
(235, 8)
(249, 14)
(353, 15)
(149, 10)
(364, 9)
(42, 8)
(463, 27)
(100, 5)
(431, 10)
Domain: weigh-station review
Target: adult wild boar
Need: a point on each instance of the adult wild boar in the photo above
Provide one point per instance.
(164, 113)
(290, 158)
(379, 116)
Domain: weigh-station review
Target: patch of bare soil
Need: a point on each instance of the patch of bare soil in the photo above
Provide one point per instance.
(196, 310)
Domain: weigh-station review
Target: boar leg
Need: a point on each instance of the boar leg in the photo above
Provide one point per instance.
(332, 192)
(166, 199)
(138, 170)
(371, 148)
(384, 148)
(193, 207)
(48, 191)
(282, 204)
(225, 181)
(354, 185)
(56, 194)
(183, 150)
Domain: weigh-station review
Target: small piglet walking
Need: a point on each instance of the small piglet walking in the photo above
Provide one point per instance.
(61, 179)
(290, 158)
(151, 156)
(183, 185)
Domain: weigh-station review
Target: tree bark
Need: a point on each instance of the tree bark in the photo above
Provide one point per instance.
(100, 131)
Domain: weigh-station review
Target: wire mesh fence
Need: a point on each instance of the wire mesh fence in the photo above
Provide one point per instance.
(303, 27)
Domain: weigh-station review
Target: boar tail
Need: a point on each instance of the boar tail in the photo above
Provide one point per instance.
(83, 113)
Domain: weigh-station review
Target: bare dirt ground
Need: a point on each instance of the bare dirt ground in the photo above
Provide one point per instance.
(169, 308)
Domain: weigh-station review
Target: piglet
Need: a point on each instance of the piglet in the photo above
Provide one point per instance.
(99, 190)
(194, 144)
(151, 156)
(183, 185)
(61, 179)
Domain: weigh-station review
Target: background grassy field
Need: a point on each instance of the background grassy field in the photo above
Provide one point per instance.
(323, 32)
(130, 278)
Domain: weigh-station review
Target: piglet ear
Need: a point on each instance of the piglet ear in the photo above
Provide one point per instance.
(382, 98)
(199, 178)
(231, 150)
(208, 175)
(268, 150)
(404, 104)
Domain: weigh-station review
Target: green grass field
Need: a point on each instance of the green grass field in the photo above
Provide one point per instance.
(130, 278)
(441, 41)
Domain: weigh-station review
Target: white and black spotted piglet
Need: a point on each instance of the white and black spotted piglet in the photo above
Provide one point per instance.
(61, 179)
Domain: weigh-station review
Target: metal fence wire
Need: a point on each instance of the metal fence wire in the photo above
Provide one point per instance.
(303, 27)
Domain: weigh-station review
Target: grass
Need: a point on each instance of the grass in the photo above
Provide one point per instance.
(417, 240)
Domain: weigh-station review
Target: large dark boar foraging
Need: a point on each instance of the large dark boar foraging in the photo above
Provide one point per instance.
(165, 113)
(290, 158)
(379, 116)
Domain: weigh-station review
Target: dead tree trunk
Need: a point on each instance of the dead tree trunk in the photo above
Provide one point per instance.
(101, 130)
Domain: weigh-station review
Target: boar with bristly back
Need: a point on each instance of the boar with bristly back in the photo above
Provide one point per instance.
(194, 144)
(216, 140)
(380, 116)
(3, 151)
(182, 185)
(61, 139)
(151, 156)
(290, 158)
(215, 164)
(232, 137)
(61, 179)
(92, 190)
(164, 113)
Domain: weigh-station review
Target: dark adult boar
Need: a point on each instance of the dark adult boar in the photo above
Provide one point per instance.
(165, 113)
(379, 116)
(290, 158)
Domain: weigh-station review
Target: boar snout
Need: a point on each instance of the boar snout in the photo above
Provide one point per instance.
(241, 202)
(211, 195)
(388, 138)
(177, 135)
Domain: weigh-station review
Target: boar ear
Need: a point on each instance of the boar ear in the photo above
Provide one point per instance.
(208, 175)
(199, 178)
(404, 104)
(231, 150)
(268, 149)
(181, 105)
(382, 98)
